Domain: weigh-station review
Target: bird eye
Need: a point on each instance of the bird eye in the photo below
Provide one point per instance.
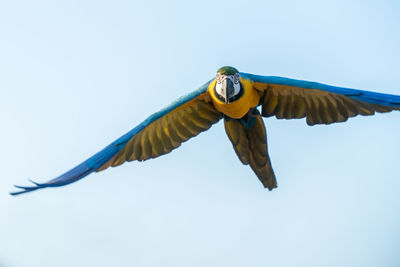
(219, 78)
(236, 78)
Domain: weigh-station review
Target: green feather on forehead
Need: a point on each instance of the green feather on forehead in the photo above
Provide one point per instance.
(227, 70)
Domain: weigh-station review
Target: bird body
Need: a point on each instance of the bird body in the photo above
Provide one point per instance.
(239, 108)
(235, 97)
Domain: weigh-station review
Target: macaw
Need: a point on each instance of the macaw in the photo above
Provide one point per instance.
(233, 96)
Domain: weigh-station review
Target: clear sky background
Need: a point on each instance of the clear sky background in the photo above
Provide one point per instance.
(75, 75)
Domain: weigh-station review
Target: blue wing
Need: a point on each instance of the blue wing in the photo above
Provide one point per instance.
(320, 103)
(194, 107)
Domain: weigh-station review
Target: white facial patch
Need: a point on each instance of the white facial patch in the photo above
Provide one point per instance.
(221, 86)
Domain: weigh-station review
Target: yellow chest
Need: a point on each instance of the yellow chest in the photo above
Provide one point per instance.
(240, 107)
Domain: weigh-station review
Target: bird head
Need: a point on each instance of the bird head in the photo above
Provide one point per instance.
(227, 87)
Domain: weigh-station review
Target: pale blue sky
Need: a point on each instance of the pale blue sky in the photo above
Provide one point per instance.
(75, 75)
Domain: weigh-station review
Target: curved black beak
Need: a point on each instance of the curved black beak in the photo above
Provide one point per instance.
(227, 87)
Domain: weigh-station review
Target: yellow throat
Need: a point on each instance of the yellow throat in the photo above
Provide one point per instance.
(238, 108)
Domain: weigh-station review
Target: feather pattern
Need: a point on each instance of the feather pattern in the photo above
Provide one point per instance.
(156, 139)
(157, 135)
(251, 148)
(321, 104)
(194, 113)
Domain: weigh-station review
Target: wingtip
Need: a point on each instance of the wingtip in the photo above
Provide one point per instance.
(27, 189)
(35, 183)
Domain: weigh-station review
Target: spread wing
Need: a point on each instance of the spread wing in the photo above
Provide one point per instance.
(321, 104)
(159, 134)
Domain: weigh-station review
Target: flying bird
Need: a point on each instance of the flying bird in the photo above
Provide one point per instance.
(234, 97)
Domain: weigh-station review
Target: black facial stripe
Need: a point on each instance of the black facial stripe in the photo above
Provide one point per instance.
(218, 95)
(236, 97)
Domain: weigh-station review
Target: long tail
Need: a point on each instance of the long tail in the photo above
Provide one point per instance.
(249, 140)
